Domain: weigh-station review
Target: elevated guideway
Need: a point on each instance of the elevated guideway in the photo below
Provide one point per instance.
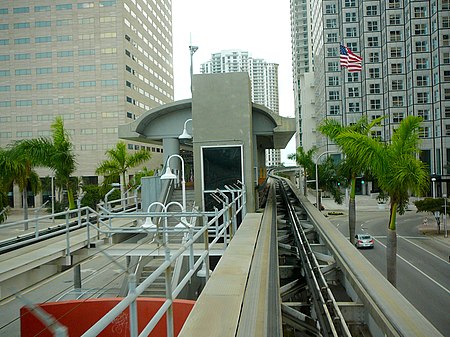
(284, 272)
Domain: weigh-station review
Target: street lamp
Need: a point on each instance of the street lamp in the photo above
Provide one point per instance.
(445, 214)
(185, 134)
(437, 214)
(169, 175)
(192, 50)
(317, 176)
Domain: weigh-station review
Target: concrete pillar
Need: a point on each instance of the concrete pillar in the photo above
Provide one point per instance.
(171, 146)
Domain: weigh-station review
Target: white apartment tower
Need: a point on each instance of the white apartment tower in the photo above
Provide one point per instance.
(96, 63)
(263, 76)
(405, 46)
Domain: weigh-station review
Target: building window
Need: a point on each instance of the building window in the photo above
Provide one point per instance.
(20, 72)
(65, 69)
(109, 3)
(421, 63)
(374, 88)
(24, 102)
(86, 52)
(353, 107)
(350, 32)
(21, 10)
(395, 35)
(42, 8)
(421, 46)
(394, 4)
(424, 113)
(353, 92)
(397, 84)
(424, 132)
(64, 38)
(396, 52)
(374, 73)
(332, 37)
(23, 40)
(351, 17)
(396, 68)
(350, 3)
(375, 104)
(331, 23)
(65, 85)
(446, 75)
(334, 110)
(333, 95)
(43, 39)
(43, 55)
(87, 67)
(330, 9)
(40, 24)
(65, 53)
(333, 80)
(23, 87)
(353, 77)
(420, 12)
(371, 10)
(85, 5)
(397, 117)
(21, 25)
(423, 80)
(64, 22)
(22, 56)
(44, 86)
(422, 97)
(62, 7)
(397, 102)
(333, 66)
(372, 26)
(394, 19)
(372, 41)
(420, 29)
(87, 84)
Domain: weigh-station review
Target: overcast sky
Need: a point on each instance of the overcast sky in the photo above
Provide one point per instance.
(261, 27)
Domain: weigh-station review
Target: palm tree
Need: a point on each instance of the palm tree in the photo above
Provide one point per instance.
(55, 153)
(398, 170)
(18, 168)
(118, 163)
(332, 128)
(305, 160)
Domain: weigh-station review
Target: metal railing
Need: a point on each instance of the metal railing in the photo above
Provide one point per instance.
(219, 221)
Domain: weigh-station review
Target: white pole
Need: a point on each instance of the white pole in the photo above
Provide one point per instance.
(317, 176)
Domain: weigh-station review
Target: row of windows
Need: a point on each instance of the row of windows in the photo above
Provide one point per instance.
(63, 100)
(60, 85)
(63, 69)
(58, 7)
(59, 38)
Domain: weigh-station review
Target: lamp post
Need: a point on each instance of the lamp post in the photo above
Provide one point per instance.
(317, 176)
(170, 175)
(192, 50)
(445, 215)
(437, 215)
(185, 134)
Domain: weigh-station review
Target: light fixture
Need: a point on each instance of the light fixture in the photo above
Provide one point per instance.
(148, 224)
(185, 134)
(168, 175)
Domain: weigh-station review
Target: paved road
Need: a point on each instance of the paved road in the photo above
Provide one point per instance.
(422, 260)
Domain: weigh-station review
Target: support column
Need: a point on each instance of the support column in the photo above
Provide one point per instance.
(171, 146)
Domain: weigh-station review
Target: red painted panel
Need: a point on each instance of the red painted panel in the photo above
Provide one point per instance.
(79, 315)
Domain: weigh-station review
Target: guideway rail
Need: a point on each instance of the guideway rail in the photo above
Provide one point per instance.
(331, 320)
(387, 312)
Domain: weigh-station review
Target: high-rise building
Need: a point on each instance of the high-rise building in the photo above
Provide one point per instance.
(263, 76)
(98, 64)
(405, 46)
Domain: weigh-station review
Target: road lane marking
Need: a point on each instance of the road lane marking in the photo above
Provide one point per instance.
(415, 244)
(421, 272)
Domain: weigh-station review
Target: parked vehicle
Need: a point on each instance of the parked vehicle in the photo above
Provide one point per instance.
(363, 241)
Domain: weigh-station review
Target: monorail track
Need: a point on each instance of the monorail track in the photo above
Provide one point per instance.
(308, 304)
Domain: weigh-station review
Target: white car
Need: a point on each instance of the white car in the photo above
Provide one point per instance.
(363, 241)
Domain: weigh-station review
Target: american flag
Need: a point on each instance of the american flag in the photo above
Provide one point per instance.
(349, 60)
